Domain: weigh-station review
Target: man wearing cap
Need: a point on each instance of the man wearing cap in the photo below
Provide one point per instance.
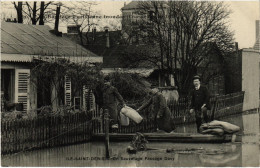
(199, 102)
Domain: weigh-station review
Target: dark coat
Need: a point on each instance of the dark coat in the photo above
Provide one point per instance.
(111, 96)
(200, 97)
(159, 108)
(108, 97)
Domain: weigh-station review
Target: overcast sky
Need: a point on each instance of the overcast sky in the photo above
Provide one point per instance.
(242, 20)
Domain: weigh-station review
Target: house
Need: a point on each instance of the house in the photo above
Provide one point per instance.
(257, 36)
(111, 45)
(235, 63)
(22, 44)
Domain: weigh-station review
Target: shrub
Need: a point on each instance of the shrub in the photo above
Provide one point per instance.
(131, 86)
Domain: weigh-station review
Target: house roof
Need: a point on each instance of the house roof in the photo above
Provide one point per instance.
(131, 5)
(98, 46)
(136, 5)
(25, 39)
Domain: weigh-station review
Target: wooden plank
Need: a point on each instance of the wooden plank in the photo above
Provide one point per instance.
(171, 137)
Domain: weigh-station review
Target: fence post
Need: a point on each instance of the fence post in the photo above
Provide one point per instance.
(106, 119)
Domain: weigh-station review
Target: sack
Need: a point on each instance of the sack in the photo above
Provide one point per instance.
(227, 127)
(124, 120)
(215, 131)
(132, 114)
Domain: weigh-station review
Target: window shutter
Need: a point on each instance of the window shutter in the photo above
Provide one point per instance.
(67, 91)
(85, 97)
(88, 98)
(22, 87)
(91, 100)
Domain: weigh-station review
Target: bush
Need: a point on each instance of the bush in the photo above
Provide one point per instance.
(130, 86)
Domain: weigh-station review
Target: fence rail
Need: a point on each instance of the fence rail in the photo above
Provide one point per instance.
(220, 106)
(20, 135)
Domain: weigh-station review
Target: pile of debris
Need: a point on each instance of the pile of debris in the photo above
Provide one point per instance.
(138, 143)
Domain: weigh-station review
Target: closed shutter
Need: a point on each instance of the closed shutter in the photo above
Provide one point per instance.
(91, 100)
(88, 98)
(67, 91)
(22, 87)
(85, 90)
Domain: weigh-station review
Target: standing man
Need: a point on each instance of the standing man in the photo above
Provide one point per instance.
(111, 100)
(199, 102)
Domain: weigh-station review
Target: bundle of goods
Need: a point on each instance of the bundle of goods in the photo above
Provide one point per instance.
(130, 113)
(218, 128)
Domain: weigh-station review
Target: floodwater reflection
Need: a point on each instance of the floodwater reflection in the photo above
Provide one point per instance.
(245, 153)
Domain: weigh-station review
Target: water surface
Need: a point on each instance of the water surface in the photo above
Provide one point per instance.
(245, 153)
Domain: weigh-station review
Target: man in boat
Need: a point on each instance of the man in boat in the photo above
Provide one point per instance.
(199, 102)
(159, 112)
(112, 101)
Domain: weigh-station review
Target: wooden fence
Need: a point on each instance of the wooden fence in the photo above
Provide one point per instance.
(20, 135)
(220, 106)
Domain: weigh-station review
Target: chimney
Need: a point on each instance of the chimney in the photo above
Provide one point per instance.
(257, 29)
(107, 37)
(94, 30)
(236, 46)
(56, 28)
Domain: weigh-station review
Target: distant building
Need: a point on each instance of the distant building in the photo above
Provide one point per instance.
(257, 38)
(110, 45)
(73, 29)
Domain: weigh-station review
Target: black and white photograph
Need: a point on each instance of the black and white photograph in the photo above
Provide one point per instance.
(148, 83)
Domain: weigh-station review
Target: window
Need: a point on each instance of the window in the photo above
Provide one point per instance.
(7, 85)
(77, 103)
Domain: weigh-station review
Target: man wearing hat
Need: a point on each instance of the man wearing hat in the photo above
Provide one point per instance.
(199, 102)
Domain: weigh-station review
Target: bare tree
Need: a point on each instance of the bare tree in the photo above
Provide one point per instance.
(184, 32)
(80, 14)
(34, 12)
(19, 11)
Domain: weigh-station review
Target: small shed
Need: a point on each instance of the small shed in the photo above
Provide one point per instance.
(20, 45)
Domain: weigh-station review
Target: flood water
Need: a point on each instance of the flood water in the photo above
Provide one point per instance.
(245, 153)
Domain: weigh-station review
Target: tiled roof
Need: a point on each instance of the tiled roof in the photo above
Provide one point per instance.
(136, 4)
(112, 55)
(131, 5)
(37, 40)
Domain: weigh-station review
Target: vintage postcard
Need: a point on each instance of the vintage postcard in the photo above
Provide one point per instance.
(130, 83)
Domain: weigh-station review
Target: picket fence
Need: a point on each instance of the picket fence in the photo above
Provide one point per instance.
(221, 106)
(29, 134)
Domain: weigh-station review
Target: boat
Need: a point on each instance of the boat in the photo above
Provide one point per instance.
(171, 137)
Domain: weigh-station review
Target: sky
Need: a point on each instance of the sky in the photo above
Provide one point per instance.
(242, 19)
